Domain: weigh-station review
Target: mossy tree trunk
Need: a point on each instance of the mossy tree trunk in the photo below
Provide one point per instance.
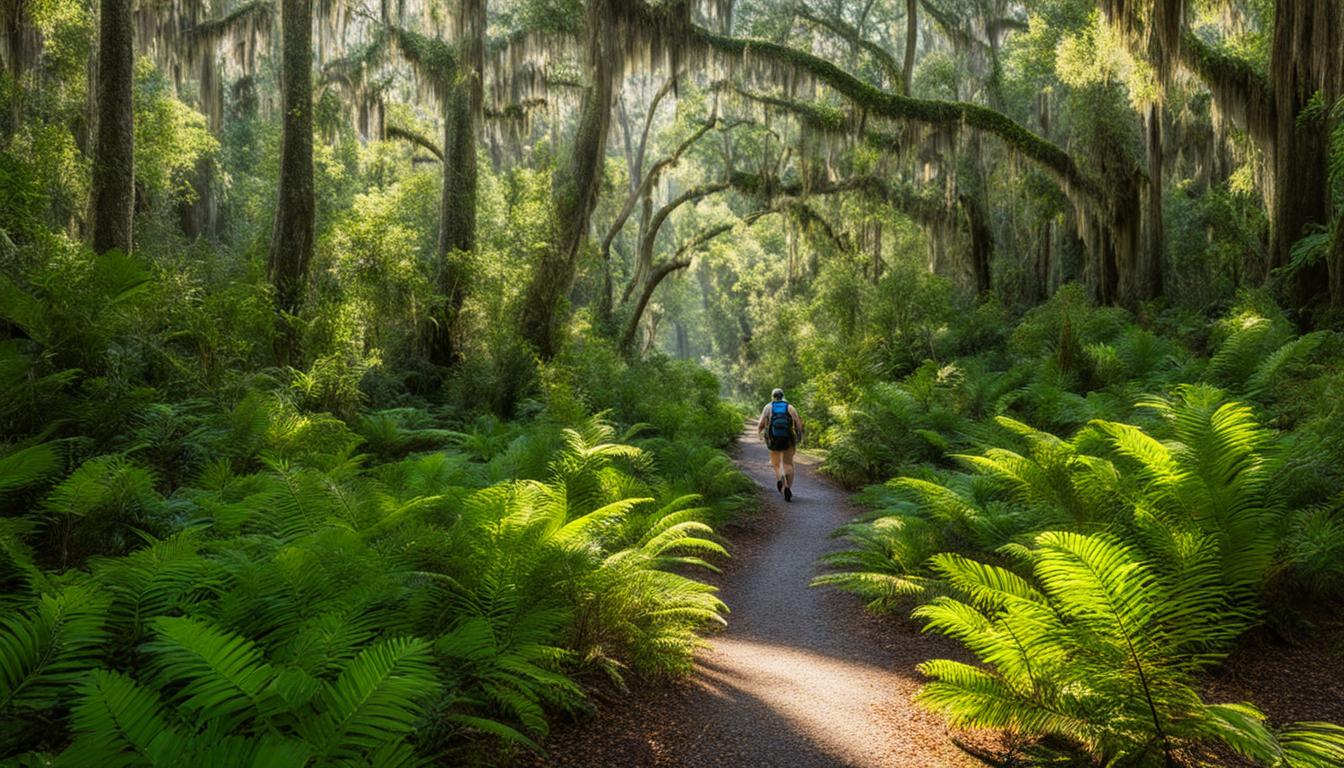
(457, 208)
(982, 241)
(113, 192)
(911, 42)
(292, 236)
(574, 190)
(1152, 269)
(1304, 60)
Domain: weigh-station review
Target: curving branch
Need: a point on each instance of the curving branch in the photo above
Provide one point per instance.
(951, 115)
(259, 12)
(1237, 87)
(648, 122)
(649, 179)
(644, 258)
(950, 23)
(679, 261)
(808, 217)
(416, 138)
(851, 35)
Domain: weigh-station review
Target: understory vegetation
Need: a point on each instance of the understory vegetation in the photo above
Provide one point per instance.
(367, 369)
(237, 581)
(1100, 510)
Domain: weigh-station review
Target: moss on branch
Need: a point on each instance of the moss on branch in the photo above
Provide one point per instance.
(936, 113)
(433, 58)
(416, 138)
(258, 12)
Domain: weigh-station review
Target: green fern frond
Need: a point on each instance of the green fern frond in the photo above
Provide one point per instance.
(46, 650)
(376, 701)
(26, 467)
(118, 722)
(221, 675)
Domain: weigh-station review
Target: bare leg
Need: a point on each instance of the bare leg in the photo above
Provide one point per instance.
(787, 456)
(775, 458)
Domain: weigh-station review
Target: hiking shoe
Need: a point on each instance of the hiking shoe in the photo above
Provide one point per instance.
(788, 494)
(779, 485)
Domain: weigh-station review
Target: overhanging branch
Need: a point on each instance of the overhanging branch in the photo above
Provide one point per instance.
(952, 115)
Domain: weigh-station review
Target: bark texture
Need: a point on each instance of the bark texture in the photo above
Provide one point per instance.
(457, 208)
(113, 192)
(911, 41)
(574, 190)
(292, 237)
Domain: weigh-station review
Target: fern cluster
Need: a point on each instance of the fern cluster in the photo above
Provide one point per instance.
(267, 584)
(1098, 577)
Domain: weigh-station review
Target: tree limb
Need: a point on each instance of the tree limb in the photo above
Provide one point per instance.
(951, 115)
(845, 31)
(416, 138)
(678, 261)
(647, 183)
(644, 257)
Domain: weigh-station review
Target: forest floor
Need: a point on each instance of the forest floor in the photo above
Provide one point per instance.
(800, 678)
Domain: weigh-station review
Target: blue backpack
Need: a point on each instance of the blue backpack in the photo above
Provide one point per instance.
(781, 423)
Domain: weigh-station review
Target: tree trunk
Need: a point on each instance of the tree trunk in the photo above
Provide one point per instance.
(113, 192)
(1299, 68)
(292, 238)
(457, 207)
(1304, 59)
(1155, 254)
(1335, 263)
(574, 190)
(911, 41)
(877, 252)
(982, 242)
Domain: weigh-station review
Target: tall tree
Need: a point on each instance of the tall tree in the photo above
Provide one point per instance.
(457, 209)
(1304, 66)
(113, 192)
(292, 237)
(576, 185)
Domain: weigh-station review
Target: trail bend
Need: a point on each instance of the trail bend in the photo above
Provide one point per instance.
(800, 678)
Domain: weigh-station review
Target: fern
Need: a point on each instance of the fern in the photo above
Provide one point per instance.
(157, 580)
(221, 674)
(118, 722)
(27, 466)
(375, 702)
(1103, 653)
(45, 650)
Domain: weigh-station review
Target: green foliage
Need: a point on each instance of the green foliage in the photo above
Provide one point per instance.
(171, 139)
(1098, 578)
(305, 608)
(1099, 649)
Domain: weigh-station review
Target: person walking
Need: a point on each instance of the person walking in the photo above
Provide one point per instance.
(782, 428)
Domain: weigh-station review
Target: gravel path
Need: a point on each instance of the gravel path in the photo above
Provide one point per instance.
(801, 678)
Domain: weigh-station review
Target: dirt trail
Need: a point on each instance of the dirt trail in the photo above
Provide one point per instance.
(801, 677)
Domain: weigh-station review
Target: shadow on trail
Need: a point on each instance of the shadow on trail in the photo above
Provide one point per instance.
(800, 678)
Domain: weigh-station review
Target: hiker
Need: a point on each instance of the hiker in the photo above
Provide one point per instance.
(782, 429)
